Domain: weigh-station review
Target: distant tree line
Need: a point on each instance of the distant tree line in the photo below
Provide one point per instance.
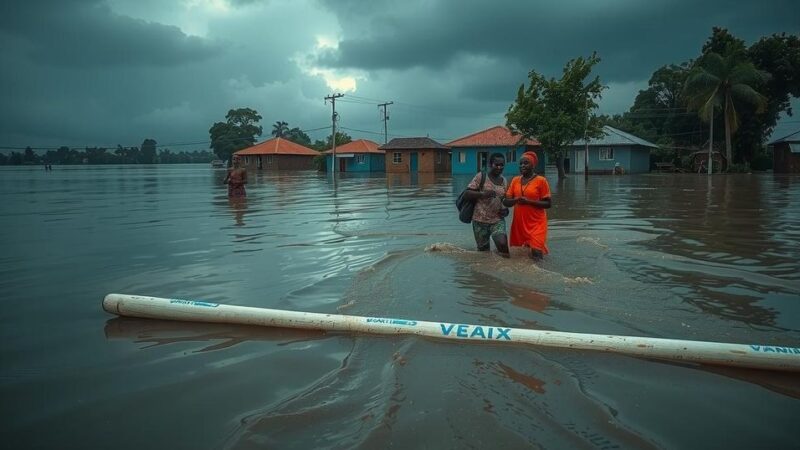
(146, 154)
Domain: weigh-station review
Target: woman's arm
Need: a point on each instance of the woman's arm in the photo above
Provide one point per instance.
(477, 195)
(544, 203)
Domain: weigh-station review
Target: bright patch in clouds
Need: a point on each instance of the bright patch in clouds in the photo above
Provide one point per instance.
(337, 81)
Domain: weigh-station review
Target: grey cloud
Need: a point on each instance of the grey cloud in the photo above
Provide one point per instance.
(633, 38)
(88, 34)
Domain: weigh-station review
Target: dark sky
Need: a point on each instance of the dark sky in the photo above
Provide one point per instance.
(102, 73)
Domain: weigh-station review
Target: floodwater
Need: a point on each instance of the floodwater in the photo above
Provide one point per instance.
(673, 256)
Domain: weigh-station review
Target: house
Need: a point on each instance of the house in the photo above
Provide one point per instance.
(616, 148)
(471, 152)
(416, 155)
(278, 154)
(361, 155)
(786, 154)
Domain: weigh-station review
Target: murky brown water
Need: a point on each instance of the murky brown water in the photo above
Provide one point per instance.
(684, 257)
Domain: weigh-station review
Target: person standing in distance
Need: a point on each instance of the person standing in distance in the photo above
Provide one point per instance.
(236, 179)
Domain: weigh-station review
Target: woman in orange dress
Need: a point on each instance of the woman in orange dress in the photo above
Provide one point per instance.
(529, 194)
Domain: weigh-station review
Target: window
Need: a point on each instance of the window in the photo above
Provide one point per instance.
(511, 156)
(438, 157)
(361, 159)
(269, 159)
(246, 160)
(397, 158)
(606, 153)
(462, 157)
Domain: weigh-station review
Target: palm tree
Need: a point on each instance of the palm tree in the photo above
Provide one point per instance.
(723, 82)
(280, 129)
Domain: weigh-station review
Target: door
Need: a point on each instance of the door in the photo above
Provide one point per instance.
(342, 164)
(580, 161)
(482, 160)
(413, 166)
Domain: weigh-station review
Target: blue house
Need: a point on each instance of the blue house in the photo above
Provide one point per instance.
(361, 156)
(615, 150)
(470, 153)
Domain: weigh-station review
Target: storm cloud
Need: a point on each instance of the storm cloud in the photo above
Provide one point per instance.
(94, 72)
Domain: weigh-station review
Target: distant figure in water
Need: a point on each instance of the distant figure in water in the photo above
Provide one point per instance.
(488, 220)
(529, 194)
(236, 179)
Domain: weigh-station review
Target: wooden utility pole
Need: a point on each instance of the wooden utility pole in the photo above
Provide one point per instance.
(333, 98)
(586, 147)
(385, 118)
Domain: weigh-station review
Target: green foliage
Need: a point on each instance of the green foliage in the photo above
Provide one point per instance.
(762, 160)
(147, 154)
(658, 115)
(557, 111)
(29, 157)
(726, 83)
(99, 155)
(280, 129)
(778, 55)
(341, 139)
(297, 136)
(319, 163)
(723, 43)
(237, 132)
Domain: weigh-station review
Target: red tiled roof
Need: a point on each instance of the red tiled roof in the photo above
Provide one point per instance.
(498, 136)
(277, 146)
(357, 146)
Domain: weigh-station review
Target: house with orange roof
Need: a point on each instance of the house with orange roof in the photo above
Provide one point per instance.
(278, 154)
(416, 155)
(361, 155)
(470, 153)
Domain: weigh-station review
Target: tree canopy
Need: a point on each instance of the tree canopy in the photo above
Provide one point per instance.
(148, 151)
(661, 113)
(557, 112)
(341, 139)
(237, 132)
(724, 83)
(280, 129)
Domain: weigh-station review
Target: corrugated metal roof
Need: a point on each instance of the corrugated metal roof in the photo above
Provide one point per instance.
(794, 137)
(277, 146)
(357, 146)
(412, 143)
(613, 136)
(497, 136)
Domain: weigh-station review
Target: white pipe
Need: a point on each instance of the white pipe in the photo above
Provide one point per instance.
(754, 356)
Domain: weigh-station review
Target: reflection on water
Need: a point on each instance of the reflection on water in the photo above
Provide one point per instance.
(683, 256)
(238, 207)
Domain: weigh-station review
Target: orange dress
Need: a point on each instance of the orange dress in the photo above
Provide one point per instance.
(529, 225)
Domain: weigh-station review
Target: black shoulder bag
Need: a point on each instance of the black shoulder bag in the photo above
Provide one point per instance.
(467, 207)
